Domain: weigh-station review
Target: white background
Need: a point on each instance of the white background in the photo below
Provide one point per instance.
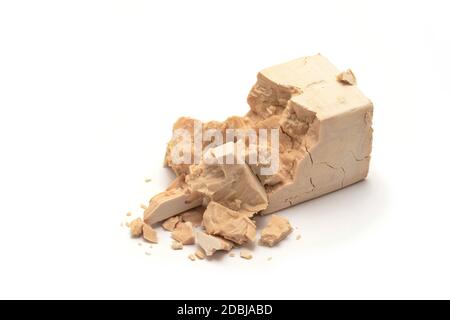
(89, 91)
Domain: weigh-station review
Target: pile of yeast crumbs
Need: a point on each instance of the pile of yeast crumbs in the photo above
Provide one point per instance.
(325, 141)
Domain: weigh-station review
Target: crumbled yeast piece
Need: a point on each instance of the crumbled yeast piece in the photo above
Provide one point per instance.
(347, 77)
(129, 213)
(149, 234)
(232, 185)
(200, 254)
(170, 203)
(211, 244)
(192, 257)
(245, 254)
(276, 230)
(136, 227)
(171, 223)
(230, 224)
(177, 245)
(194, 216)
(184, 233)
(232, 255)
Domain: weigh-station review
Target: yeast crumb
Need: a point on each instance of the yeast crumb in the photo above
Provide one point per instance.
(200, 254)
(245, 254)
(276, 230)
(347, 77)
(136, 227)
(191, 257)
(184, 233)
(149, 234)
(171, 223)
(177, 245)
